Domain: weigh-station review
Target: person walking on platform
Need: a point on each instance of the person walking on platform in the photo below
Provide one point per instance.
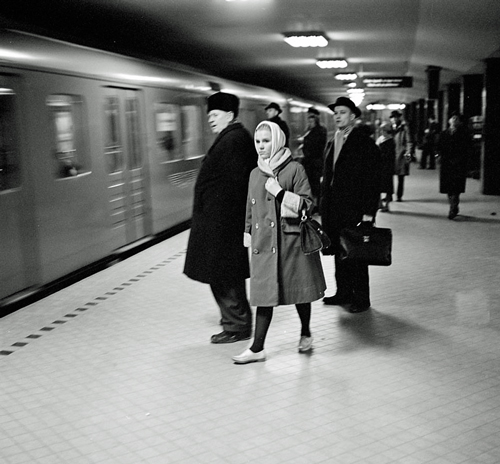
(388, 151)
(215, 253)
(281, 274)
(454, 148)
(431, 135)
(273, 111)
(404, 151)
(350, 194)
(313, 147)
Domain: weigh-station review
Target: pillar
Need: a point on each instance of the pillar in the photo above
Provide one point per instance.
(491, 155)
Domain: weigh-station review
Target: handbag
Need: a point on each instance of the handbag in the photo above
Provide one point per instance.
(366, 244)
(312, 236)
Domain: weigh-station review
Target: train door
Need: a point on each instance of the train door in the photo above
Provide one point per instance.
(14, 211)
(123, 150)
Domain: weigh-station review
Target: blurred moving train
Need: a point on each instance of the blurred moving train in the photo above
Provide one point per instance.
(99, 154)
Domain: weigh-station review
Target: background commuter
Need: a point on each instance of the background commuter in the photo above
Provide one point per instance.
(215, 253)
(454, 147)
(350, 194)
(313, 147)
(281, 274)
(404, 151)
(431, 134)
(388, 153)
(273, 111)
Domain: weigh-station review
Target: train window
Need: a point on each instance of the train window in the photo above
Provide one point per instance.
(71, 157)
(167, 131)
(191, 131)
(133, 132)
(67, 116)
(10, 176)
(113, 150)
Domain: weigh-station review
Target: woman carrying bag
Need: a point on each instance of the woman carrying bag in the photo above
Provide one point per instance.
(280, 273)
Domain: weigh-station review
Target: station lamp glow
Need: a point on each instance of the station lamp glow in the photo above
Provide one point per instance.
(329, 63)
(306, 39)
(346, 76)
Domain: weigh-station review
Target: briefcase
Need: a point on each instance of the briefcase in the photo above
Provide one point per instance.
(366, 244)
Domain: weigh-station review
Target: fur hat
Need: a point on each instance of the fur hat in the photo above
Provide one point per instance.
(274, 106)
(344, 101)
(224, 102)
(395, 114)
(313, 110)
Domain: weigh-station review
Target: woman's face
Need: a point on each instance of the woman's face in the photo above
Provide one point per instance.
(263, 143)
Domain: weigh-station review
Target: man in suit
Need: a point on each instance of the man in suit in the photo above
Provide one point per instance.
(349, 195)
(215, 253)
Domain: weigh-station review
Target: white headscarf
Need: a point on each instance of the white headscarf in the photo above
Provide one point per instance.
(279, 153)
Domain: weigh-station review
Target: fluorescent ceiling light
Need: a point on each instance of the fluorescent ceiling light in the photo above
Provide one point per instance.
(306, 39)
(346, 76)
(329, 63)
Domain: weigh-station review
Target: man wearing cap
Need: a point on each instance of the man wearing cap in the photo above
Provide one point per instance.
(404, 151)
(273, 111)
(349, 195)
(215, 253)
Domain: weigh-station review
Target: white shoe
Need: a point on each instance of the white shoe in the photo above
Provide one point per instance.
(248, 356)
(305, 343)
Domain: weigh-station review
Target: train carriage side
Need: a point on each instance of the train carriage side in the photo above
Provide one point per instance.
(98, 152)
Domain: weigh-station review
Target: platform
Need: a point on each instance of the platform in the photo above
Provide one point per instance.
(118, 368)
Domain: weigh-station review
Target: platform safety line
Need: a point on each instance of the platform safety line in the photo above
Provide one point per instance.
(89, 305)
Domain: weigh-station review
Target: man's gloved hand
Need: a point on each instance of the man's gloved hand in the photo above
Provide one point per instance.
(273, 186)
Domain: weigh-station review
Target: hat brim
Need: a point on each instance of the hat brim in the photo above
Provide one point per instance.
(353, 108)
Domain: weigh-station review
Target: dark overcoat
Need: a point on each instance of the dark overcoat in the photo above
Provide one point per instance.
(281, 273)
(388, 154)
(215, 250)
(403, 146)
(454, 149)
(353, 188)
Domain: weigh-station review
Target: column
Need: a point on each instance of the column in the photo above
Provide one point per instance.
(491, 154)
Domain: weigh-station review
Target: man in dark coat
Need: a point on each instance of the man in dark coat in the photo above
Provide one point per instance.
(313, 148)
(215, 253)
(349, 195)
(273, 111)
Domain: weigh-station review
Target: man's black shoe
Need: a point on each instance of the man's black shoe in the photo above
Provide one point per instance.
(230, 337)
(358, 308)
(336, 300)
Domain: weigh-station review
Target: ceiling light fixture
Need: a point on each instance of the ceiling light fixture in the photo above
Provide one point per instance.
(306, 39)
(329, 63)
(346, 76)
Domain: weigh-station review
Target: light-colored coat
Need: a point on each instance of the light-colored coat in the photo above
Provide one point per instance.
(280, 273)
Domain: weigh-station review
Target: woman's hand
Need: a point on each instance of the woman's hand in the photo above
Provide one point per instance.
(273, 186)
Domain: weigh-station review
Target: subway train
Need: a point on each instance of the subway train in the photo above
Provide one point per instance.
(99, 153)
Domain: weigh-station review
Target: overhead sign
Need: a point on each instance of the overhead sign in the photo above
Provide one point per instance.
(387, 82)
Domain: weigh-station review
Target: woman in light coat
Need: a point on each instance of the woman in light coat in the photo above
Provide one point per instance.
(280, 273)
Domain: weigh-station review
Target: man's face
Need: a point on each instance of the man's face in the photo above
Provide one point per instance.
(343, 116)
(395, 120)
(271, 113)
(219, 120)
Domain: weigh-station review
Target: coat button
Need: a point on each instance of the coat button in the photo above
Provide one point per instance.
(256, 225)
(272, 224)
(253, 201)
(255, 251)
(273, 250)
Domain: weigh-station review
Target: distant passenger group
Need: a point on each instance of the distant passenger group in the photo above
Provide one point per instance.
(250, 194)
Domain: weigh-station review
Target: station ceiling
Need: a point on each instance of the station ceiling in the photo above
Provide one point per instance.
(243, 39)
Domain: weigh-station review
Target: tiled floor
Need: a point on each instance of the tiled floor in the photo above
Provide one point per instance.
(118, 368)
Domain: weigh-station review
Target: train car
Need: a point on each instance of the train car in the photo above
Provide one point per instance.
(99, 154)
